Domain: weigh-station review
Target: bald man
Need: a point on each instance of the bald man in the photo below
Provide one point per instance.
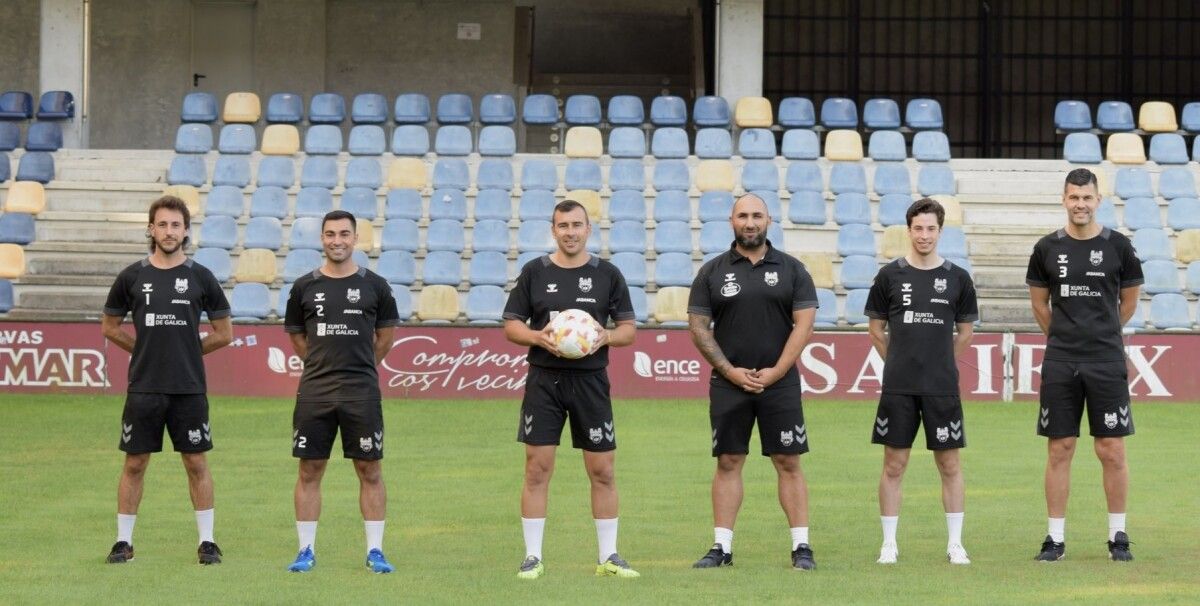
(751, 313)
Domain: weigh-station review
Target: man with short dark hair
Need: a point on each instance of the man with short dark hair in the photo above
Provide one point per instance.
(166, 292)
(1083, 284)
(921, 307)
(340, 318)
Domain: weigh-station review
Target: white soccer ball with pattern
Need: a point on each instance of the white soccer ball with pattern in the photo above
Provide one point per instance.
(576, 333)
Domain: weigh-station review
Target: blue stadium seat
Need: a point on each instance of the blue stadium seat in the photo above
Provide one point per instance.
(404, 304)
(715, 206)
(39, 166)
(774, 206)
(641, 310)
(626, 142)
(305, 234)
(856, 303)
(452, 140)
(451, 172)
(756, 143)
(1161, 276)
(807, 208)
(285, 292)
(5, 165)
(282, 108)
(17, 228)
(1189, 117)
(490, 235)
(669, 142)
(455, 108)
(893, 208)
(250, 301)
(582, 110)
(715, 236)
(668, 110)
(881, 114)
(410, 140)
(1169, 311)
(215, 260)
(360, 258)
(856, 239)
(827, 312)
(539, 174)
(367, 140)
(936, 179)
(760, 174)
(488, 267)
(1193, 277)
(1133, 183)
(627, 205)
(1168, 148)
(263, 232)
(1141, 213)
(276, 170)
(317, 171)
(323, 139)
(197, 107)
(672, 206)
(449, 203)
(189, 139)
(313, 202)
(445, 234)
(44, 136)
(627, 237)
(493, 204)
(1115, 116)
(839, 112)
(540, 109)
(326, 108)
(369, 108)
(892, 179)
(360, 202)
(1072, 115)
(266, 202)
(801, 144)
(497, 140)
(364, 172)
(10, 136)
(711, 111)
(847, 177)
(673, 236)
(1137, 322)
(673, 269)
(797, 112)
(16, 105)
(219, 231)
(583, 174)
(236, 139)
(1106, 214)
(626, 175)
(852, 208)
(497, 109)
(804, 176)
(232, 170)
(714, 143)
(671, 174)
(399, 234)
(485, 305)
(1082, 148)
(921, 114)
(184, 170)
(442, 267)
(224, 200)
(626, 110)
(886, 146)
(534, 236)
(931, 146)
(536, 204)
(403, 204)
(858, 271)
(495, 174)
(1152, 244)
(632, 266)
(397, 267)
(1183, 213)
(1176, 182)
(952, 243)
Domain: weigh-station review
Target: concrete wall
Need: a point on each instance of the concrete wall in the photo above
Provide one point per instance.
(289, 47)
(19, 45)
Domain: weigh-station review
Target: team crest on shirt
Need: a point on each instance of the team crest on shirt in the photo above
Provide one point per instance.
(1110, 419)
(181, 285)
(585, 284)
(1097, 257)
(943, 434)
(786, 438)
(771, 278)
(352, 295)
(939, 284)
(730, 289)
(194, 434)
(365, 444)
(595, 434)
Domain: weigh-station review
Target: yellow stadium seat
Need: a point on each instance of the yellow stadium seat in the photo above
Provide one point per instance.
(437, 303)
(242, 107)
(12, 261)
(670, 304)
(25, 197)
(583, 142)
(366, 235)
(714, 175)
(895, 241)
(819, 266)
(407, 173)
(1157, 117)
(1126, 148)
(1103, 182)
(189, 194)
(280, 140)
(255, 265)
(1187, 245)
(591, 203)
(753, 112)
(843, 144)
(954, 213)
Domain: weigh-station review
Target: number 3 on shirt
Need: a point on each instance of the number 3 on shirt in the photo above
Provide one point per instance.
(1062, 271)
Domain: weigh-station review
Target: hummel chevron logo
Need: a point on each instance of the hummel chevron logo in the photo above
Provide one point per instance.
(207, 433)
(957, 435)
(609, 433)
(714, 438)
(881, 427)
(1045, 417)
(1124, 410)
(801, 433)
(379, 440)
(126, 433)
(528, 424)
(956, 429)
(955, 424)
(1124, 421)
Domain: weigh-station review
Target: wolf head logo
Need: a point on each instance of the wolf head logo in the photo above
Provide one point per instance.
(771, 278)
(595, 434)
(1097, 257)
(943, 434)
(585, 284)
(365, 444)
(352, 295)
(786, 437)
(939, 284)
(194, 435)
(1110, 419)
(181, 285)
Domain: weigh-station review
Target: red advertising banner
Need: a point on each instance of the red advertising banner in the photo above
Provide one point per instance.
(478, 363)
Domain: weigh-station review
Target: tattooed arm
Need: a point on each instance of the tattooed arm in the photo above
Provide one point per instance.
(706, 343)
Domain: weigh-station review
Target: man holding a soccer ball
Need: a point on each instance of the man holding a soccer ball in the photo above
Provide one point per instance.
(568, 377)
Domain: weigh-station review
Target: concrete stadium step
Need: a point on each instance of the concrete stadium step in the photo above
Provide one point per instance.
(62, 298)
(61, 265)
(86, 248)
(75, 231)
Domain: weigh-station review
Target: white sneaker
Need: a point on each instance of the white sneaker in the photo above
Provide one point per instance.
(888, 554)
(957, 554)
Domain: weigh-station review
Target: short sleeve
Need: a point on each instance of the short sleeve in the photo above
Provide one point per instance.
(293, 317)
(1131, 267)
(699, 302)
(386, 314)
(620, 304)
(804, 292)
(1036, 274)
(877, 306)
(118, 303)
(968, 305)
(215, 302)
(518, 305)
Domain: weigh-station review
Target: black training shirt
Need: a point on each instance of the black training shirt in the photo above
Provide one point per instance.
(166, 305)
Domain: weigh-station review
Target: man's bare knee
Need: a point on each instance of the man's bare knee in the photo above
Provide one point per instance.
(369, 472)
(136, 464)
(786, 463)
(730, 463)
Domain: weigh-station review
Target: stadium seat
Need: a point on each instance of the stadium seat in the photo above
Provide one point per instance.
(490, 235)
(804, 176)
(590, 200)
(1133, 183)
(1169, 311)
(670, 306)
(445, 235)
(410, 140)
(403, 204)
(856, 239)
(672, 206)
(12, 261)
(397, 267)
(494, 174)
(493, 204)
(497, 140)
(1114, 116)
(284, 139)
(753, 112)
(1176, 182)
(39, 166)
(360, 202)
(774, 206)
(27, 197)
(369, 108)
(673, 236)
(819, 266)
(1125, 148)
(17, 228)
(895, 241)
(715, 236)
(540, 109)
(241, 107)
(839, 112)
(534, 236)
(215, 260)
(756, 175)
(1141, 213)
(1168, 148)
(448, 203)
(437, 304)
(582, 110)
(281, 299)
(485, 305)
(800, 144)
(197, 107)
(641, 312)
(320, 139)
(583, 174)
(626, 110)
(847, 178)
(671, 174)
(1193, 277)
(851, 208)
(843, 145)
(626, 142)
(923, 114)
(893, 209)
(886, 146)
(1072, 116)
(953, 243)
(232, 171)
(46, 137)
(1106, 214)
(285, 108)
(892, 179)
(717, 175)
(858, 271)
(537, 204)
(5, 163)
(1082, 148)
(255, 265)
(234, 139)
(189, 194)
(673, 269)
(189, 139)
(10, 136)
(442, 267)
(16, 105)
(452, 140)
(363, 172)
(936, 179)
(399, 234)
(250, 301)
(711, 111)
(714, 144)
(219, 231)
(668, 110)
(931, 146)
(367, 140)
(1152, 244)
(1161, 276)
(404, 304)
(326, 108)
(497, 109)
(317, 171)
(1188, 242)
(1137, 322)
(954, 213)
(807, 208)
(1183, 213)
(312, 202)
(264, 202)
(881, 114)
(632, 266)
(1189, 119)
(626, 205)
(488, 267)
(411, 108)
(455, 108)
(1157, 117)
(539, 174)
(305, 234)
(715, 206)
(756, 143)
(827, 313)
(669, 143)
(407, 173)
(627, 237)
(184, 170)
(626, 175)
(797, 112)
(856, 303)
(224, 200)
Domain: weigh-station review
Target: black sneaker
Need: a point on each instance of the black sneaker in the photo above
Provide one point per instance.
(1051, 551)
(209, 553)
(1118, 548)
(121, 552)
(802, 558)
(715, 558)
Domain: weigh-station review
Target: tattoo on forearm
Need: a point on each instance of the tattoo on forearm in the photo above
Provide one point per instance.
(703, 338)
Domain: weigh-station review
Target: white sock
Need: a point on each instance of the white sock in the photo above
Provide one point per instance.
(724, 538)
(374, 531)
(204, 524)
(533, 528)
(1058, 529)
(889, 524)
(799, 535)
(1116, 523)
(308, 534)
(606, 537)
(125, 527)
(954, 523)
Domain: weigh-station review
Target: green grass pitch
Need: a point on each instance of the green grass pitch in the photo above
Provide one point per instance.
(453, 472)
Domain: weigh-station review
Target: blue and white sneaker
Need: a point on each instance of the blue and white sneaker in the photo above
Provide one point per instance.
(305, 560)
(377, 563)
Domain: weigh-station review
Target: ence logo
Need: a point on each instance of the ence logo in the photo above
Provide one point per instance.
(665, 370)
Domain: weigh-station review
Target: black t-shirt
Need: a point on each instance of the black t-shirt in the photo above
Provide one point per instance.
(921, 307)
(338, 317)
(543, 289)
(1085, 278)
(751, 307)
(166, 306)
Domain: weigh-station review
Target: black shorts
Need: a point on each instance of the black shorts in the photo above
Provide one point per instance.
(185, 416)
(732, 413)
(1068, 386)
(552, 397)
(899, 416)
(315, 424)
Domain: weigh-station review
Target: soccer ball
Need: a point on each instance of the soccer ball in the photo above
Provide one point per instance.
(576, 333)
